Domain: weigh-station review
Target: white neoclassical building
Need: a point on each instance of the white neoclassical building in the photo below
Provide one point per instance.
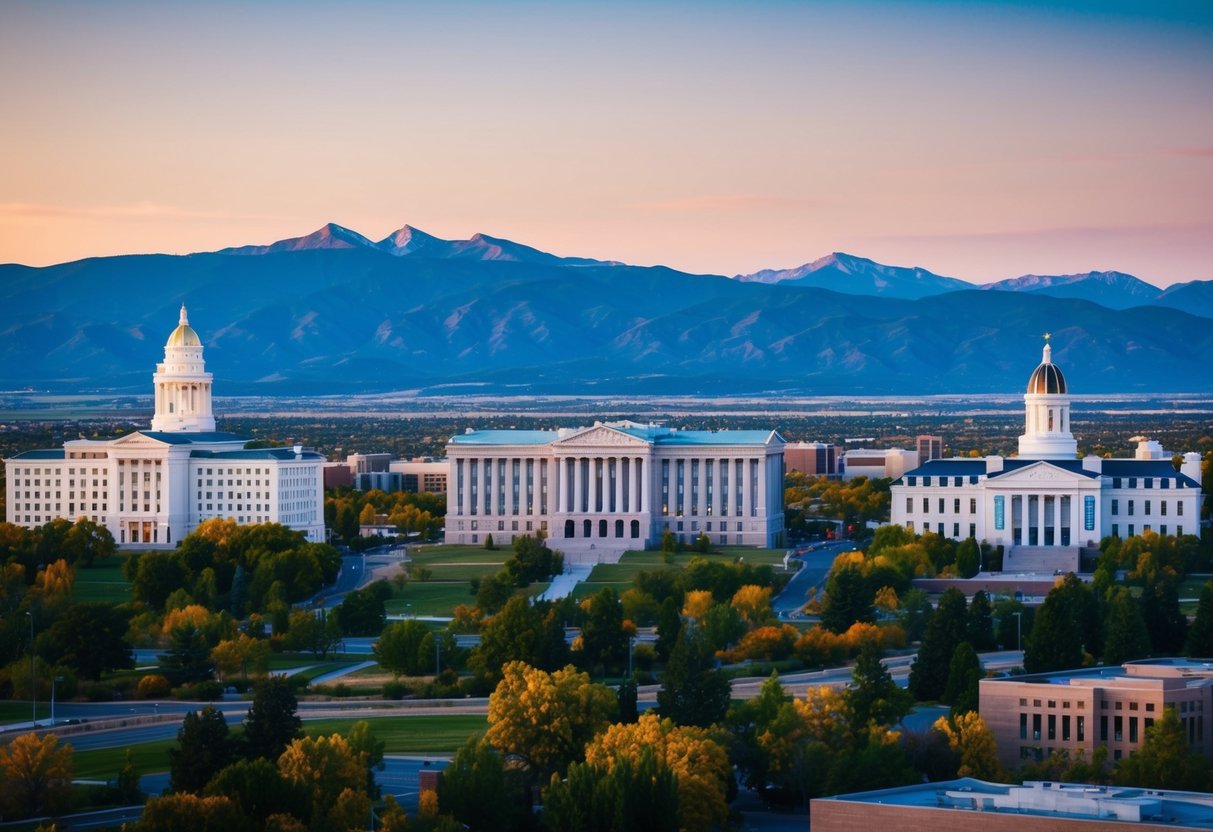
(1046, 503)
(152, 487)
(599, 491)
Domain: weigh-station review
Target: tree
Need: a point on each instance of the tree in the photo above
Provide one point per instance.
(90, 638)
(692, 691)
(520, 632)
(753, 604)
(1164, 760)
(272, 720)
(641, 796)
(533, 560)
(488, 543)
(259, 789)
(318, 634)
(334, 776)
(493, 591)
(1127, 637)
(848, 599)
(979, 630)
(543, 720)
(188, 658)
(362, 611)
(873, 695)
(669, 624)
(237, 655)
(1065, 624)
(916, 612)
(190, 813)
(1200, 636)
(86, 541)
(964, 674)
(157, 574)
(970, 737)
(37, 775)
(480, 791)
(700, 764)
(603, 639)
(127, 782)
(968, 558)
(203, 749)
(1165, 622)
(929, 673)
(399, 648)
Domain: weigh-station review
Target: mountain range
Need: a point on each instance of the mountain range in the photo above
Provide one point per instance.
(336, 312)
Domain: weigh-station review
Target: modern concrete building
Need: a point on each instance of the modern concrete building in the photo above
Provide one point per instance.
(152, 487)
(599, 491)
(425, 475)
(1045, 504)
(873, 463)
(971, 805)
(1079, 710)
(929, 447)
(816, 458)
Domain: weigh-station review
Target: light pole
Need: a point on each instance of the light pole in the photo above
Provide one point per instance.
(1018, 631)
(33, 673)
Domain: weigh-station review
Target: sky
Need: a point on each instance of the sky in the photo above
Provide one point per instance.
(980, 140)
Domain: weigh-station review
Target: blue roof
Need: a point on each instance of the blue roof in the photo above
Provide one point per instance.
(505, 437)
(949, 468)
(256, 453)
(1160, 468)
(40, 453)
(182, 438)
(1074, 466)
(653, 434)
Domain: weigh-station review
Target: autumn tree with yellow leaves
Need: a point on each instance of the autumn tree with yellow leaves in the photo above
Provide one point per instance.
(35, 775)
(970, 737)
(544, 720)
(698, 761)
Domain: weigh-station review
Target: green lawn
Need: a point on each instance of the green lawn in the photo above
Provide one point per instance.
(103, 581)
(410, 734)
(19, 711)
(432, 555)
(105, 763)
(430, 598)
(632, 563)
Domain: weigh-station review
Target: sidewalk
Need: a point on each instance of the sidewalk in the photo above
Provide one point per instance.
(562, 585)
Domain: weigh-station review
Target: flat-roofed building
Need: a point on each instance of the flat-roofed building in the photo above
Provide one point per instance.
(971, 805)
(1080, 710)
(877, 462)
(817, 458)
(599, 491)
(426, 475)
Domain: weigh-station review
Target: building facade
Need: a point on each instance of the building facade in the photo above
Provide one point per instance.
(616, 486)
(151, 488)
(1046, 503)
(877, 462)
(816, 458)
(1080, 710)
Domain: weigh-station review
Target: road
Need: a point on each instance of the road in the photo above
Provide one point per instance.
(816, 560)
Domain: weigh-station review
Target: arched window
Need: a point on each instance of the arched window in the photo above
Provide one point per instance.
(618, 528)
(602, 528)
(636, 528)
(570, 529)
(589, 528)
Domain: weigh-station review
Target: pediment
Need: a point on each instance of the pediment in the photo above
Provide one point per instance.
(600, 437)
(137, 440)
(1042, 473)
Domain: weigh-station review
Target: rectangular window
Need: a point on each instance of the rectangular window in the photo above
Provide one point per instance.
(1132, 729)
(909, 505)
(1149, 482)
(1088, 513)
(1118, 728)
(956, 506)
(1081, 728)
(926, 505)
(1052, 726)
(1103, 729)
(1000, 511)
(1065, 728)
(1130, 508)
(1147, 511)
(1179, 510)
(1023, 726)
(941, 505)
(972, 505)
(1036, 726)
(1162, 507)
(955, 530)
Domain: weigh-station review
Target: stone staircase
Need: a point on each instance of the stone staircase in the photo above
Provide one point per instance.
(1041, 559)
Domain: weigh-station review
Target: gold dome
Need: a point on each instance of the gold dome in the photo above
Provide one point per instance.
(1047, 377)
(183, 335)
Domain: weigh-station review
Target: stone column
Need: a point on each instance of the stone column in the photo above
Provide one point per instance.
(619, 507)
(637, 504)
(700, 487)
(482, 491)
(743, 486)
(465, 503)
(556, 492)
(763, 461)
(578, 485)
(592, 473)
(510, 508)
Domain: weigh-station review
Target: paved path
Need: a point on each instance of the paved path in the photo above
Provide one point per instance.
(325, 678)
(563, 584)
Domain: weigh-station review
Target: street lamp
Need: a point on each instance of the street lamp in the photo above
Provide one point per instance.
(1018, 631)
(33, 673)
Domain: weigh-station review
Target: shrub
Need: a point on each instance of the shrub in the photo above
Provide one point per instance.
(395, 690)
(153, 686)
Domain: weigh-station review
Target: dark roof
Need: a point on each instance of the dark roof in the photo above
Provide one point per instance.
(40, 453)
(256, 453)
(949, 468)
(1161, 468)
(1047, 378)
(182, 438)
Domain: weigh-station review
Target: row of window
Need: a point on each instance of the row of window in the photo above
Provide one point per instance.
(926, 505)
(1147, 482)
(943, 482)
(1146, 506)
(1162, 530)
(939, 529)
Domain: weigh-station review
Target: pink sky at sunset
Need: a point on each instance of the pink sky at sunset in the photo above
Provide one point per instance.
(978, 140)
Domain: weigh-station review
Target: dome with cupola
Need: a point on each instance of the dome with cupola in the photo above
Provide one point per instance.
(183, 335)
(1047, 378)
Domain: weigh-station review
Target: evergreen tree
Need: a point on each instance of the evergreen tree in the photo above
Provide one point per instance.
(1200, 637)
(603, 640)
(968, 558)
(929, 673)
(848, 599)
(692, 691)
(964, 675)
(1127, 637)
(1067, 623)
(189, 656)
(669, 624)
(272, 720)
(1166, 624)
(873, 695)
(627, 696)
(980, 628)
(203, 749)
(479, 790)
